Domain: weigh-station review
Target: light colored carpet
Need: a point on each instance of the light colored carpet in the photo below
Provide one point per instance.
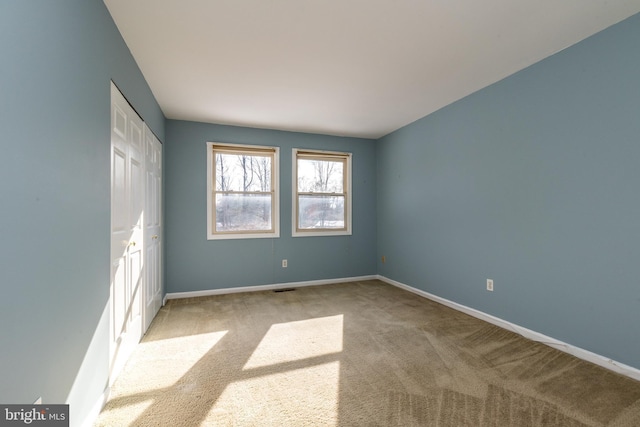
(353, 354)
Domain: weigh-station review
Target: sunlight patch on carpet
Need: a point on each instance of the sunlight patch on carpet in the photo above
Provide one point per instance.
(301, 397)
(174, 357)
(299, 340)
(132, 408)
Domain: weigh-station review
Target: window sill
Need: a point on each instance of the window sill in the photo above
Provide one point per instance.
(243, 236)
(320, 233)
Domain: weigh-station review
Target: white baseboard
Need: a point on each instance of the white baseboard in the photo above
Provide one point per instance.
(578, 352)
(93, 414)
(209, 292)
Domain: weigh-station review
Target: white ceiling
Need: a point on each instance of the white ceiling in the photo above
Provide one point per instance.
(342, 67)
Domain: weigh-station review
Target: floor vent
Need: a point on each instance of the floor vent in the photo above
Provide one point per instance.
(285, 290)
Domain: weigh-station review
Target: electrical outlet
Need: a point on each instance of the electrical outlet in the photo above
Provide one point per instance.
(384, 259)
(490, 285)
(284, 263)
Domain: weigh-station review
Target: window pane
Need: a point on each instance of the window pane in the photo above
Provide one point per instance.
(238, 172)
(320, 176)
(243, 212)
(321, 212)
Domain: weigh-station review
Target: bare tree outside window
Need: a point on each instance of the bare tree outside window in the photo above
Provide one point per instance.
(321, 191)
(243, 196)
(262, 169)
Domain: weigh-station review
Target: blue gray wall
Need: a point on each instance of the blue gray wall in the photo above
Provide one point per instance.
(194, 263)
(535, 183)
(532, 182)
(57, 60)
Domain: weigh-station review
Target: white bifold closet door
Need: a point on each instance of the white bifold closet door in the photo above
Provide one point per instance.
(152, 226)
(136, 186)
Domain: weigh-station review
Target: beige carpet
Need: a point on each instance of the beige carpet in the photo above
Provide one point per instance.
(353, 354)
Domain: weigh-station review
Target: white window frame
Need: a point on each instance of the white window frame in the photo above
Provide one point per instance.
(295, 232)
(275, 190)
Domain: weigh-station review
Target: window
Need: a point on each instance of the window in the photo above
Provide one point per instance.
(322, 193)
(242, 189)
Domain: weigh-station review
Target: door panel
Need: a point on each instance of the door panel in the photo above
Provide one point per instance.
(119, 284)
(153, 226)
(127, 228)
(118, 191)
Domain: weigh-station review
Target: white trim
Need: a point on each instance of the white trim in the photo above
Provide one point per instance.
(164, 300)
(275, 208)
(93, 414)
(294, 198)
(209, 292)
(578, 352)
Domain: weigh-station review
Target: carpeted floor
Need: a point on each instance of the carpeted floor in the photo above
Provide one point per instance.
(353, 354)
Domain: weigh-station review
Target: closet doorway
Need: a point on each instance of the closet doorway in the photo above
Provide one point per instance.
(136, 230)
